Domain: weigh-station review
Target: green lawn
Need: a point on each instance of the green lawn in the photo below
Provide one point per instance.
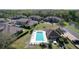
(65, 23)
(55, 46)
(70, 45)
(43, 26)
(20, 43)
(72, 28)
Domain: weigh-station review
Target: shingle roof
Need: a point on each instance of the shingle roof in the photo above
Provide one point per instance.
(52, 19)
(36, 18)
(1, 27)
(10, 29)
(30, 23)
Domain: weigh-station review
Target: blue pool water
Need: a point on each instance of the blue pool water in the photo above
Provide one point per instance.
(39, 36)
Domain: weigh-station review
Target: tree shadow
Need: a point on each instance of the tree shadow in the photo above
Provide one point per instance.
(50, 45)
(76, 42)
(43, 45)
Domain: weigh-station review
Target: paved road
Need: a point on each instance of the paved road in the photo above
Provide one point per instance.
(75, 34)
(72, 32)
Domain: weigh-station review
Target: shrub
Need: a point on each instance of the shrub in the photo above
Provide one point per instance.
(22, 35)
(19, 32)
(26, 27)
(31, 31)
(34, 25)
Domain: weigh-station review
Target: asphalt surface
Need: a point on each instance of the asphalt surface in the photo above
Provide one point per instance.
(72, 32)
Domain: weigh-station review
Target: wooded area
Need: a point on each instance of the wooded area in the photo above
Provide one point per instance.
(66, 14)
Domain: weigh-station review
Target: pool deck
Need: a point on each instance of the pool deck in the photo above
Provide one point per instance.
(33, 37)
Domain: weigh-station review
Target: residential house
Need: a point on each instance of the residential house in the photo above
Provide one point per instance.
(24, 22)
(31, 23)
(36, 18)
(52, 19)
(1, 27)
(51, 35)
(9, 29)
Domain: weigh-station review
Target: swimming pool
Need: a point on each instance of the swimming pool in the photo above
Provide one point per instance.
(39, 36)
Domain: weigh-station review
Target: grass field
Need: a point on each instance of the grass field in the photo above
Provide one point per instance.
(21, 42)
(70, 45)
(55, 46)
(43, 26)
(71, 27)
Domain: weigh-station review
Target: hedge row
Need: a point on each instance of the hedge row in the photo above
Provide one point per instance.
(19, 36)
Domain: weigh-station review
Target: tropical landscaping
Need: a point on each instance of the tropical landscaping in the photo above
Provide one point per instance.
(51, 21)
